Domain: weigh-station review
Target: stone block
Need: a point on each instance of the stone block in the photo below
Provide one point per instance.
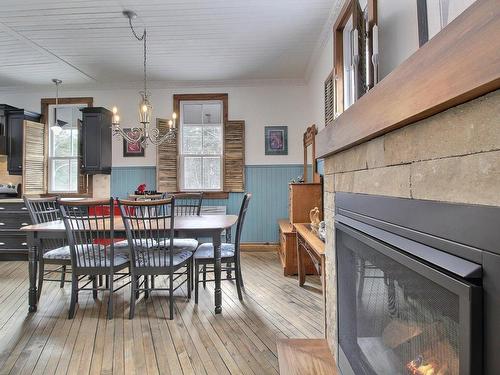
(471, 179)
(328, 181)
(391, 181)
(468, 128)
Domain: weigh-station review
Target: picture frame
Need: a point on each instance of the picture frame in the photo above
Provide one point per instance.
(276, 140)
(132, 149)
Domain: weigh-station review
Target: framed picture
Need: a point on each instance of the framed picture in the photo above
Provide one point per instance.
(132, 148)
(276, 140)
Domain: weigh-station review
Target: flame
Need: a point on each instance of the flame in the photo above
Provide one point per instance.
(419, 367)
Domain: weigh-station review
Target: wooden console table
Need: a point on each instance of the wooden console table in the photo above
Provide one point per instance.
(309, 246)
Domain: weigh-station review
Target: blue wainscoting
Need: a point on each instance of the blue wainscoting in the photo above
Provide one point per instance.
(267, 183)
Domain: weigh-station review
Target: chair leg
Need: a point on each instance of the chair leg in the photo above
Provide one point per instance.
(196, 281)
(146, 286)
(152, 281)
(63, 277)
(100, 280)
(171, 296)
(41, 271)
(94, 287)
(137, 283)
(189, 274)
(237, 275)
(133, 295)
(192, 273)
(106, 278)
(228, 272)
(110, 300)
(204, 276)
(74, 296)
(240, 276)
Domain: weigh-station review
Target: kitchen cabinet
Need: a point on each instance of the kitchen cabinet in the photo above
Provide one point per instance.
(4, 112)
(96, 140)
(13, 244)
(15, 124)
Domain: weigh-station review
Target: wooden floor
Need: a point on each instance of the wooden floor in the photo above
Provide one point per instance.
(240, 341)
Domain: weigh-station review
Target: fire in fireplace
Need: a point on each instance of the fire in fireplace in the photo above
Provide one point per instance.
(404, 307)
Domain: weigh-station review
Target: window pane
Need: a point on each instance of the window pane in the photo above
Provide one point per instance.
(212, 113)
(192, 140)
(64, 175)
(191, 113)
(192, 173)
(65, 143)
(211, 173)
(212, 140)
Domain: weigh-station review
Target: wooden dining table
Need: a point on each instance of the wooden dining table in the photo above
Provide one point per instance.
(210, 226)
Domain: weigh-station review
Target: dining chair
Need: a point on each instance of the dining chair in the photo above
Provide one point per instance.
(90, 232)
(154, 220)
(53, 251)
(230, 254)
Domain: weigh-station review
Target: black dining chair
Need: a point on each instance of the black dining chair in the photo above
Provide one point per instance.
(230, 255)
(90, 232)
(154, 220)
(53, 252)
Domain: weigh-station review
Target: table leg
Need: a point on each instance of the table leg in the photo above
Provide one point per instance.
(216, 240)
(32, 270)
(301, 265)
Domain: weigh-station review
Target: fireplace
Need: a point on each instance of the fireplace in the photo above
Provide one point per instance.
(410, 286)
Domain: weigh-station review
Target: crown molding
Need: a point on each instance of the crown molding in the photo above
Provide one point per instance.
(156, 85)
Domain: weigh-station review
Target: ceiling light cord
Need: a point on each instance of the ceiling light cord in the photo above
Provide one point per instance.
(143, 38)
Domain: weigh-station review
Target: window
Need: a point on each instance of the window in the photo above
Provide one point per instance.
(63, 161)
(201, 145)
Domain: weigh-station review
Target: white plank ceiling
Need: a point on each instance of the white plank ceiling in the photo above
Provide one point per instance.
(87, 41)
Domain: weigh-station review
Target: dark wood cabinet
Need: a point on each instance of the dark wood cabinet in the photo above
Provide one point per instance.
(15, 126)
(4, 114)
(13, 244)
(96, 140)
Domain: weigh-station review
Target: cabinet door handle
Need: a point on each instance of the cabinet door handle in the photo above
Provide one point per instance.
(2, 208)
(24, 224)
(19, 166)
(24, 208)
(24, 244)
(2, 243)
(2, 223)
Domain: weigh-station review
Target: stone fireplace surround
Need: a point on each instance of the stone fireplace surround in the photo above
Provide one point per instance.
(453, 156)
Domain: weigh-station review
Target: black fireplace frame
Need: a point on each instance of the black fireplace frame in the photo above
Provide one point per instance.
(455, 241)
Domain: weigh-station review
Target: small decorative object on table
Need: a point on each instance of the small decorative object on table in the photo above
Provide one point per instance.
(322, 231)
(314, 217)
(140, 189)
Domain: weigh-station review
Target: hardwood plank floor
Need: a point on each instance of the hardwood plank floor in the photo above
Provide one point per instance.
(240, 341)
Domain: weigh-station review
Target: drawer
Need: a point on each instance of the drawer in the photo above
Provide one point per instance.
(10, 207)
(13, 241)
(13, 221)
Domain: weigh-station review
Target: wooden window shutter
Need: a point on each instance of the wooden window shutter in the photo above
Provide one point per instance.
(166, 161)
(329, 100)
(34, 159)
(234, 156)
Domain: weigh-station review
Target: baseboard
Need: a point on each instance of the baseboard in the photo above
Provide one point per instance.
(259, 247)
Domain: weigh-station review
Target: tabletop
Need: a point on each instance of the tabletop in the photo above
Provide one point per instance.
(202, 222)
(311, 237)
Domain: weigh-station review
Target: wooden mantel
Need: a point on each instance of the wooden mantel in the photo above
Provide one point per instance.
(459, 64)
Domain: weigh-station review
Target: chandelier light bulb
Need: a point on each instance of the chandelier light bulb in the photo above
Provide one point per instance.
(144, 108)
(174, 116)
(115, 110)
(117, 119)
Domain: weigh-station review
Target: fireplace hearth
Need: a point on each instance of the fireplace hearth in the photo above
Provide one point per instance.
(411, 279)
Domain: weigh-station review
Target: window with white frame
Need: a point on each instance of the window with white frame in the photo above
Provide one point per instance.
(63, 153)
(201, 145)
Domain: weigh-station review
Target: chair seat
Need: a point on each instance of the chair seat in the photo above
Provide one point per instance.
(206, 251)
(160, 258)
(188, 244)
(60, 253)
(98, 256)
(143, 242)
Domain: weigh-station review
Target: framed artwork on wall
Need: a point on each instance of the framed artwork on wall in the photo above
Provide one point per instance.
(276, 140)
(132, 148)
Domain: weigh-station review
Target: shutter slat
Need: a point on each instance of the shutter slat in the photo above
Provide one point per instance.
(234, 156)
(329, 100)
(34, 168)
(166, 161)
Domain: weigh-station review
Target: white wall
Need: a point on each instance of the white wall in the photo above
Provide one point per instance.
(259, 106)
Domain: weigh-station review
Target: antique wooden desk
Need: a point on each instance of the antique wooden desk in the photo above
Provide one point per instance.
(195, 226)
(310, 246)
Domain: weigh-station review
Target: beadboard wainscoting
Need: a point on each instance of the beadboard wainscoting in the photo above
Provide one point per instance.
(267, 183)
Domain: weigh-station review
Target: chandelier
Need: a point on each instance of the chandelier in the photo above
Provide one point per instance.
(143, 133)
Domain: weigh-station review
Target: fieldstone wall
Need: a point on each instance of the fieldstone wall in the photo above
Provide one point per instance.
(453, 156)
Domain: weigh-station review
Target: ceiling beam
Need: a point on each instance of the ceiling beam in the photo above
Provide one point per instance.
(51, 55)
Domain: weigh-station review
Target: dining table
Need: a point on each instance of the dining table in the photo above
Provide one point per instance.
(202, 226)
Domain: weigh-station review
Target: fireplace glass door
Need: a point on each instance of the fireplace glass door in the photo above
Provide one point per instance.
(397, 315)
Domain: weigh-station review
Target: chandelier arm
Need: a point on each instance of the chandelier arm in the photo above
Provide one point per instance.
(169, 136)
(128, 138)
